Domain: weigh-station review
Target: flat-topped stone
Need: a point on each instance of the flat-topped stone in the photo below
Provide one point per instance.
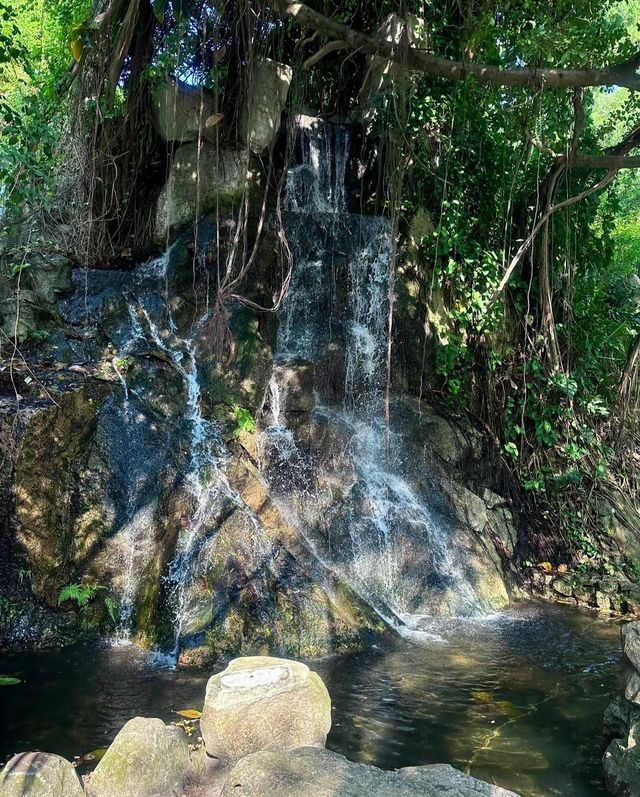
(309, 772)
(253, 679)
(264, 703)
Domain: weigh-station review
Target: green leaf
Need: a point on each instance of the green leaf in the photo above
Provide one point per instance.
(9, 680)
(159, 8)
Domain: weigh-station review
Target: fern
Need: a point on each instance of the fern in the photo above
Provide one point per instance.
(110, 606)
(83, 595)
(80, 593)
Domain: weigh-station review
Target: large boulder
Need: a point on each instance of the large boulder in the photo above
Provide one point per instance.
(267, 97)
(146, 759)
(621, 764)
(264, 703)
(309, 772)
(39, 775)
(199, 181)
(180, 111)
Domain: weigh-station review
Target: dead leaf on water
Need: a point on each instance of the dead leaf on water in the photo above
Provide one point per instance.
(189, 713)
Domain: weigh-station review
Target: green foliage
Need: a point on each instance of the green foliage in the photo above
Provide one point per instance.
(86, 596)
(244, 420)
(473, 167)
(81, 594)
(34, 63)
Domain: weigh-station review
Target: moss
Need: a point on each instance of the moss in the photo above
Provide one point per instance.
(46, 497)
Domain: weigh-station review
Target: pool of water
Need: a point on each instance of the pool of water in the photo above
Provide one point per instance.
(516, 699)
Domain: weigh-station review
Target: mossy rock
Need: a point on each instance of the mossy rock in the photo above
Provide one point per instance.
(262, 703)
(146, 759)
(39, 775)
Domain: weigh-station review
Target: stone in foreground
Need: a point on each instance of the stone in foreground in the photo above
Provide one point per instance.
(309, 772)
(39, 775)
(147, 759)
(264, 703)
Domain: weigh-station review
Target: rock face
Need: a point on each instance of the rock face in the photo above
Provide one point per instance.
(621, 760)
(264, 591)
(146, 759)
(310, 772)
(39, 775)
(267, 97)
(28, 298)
(263, 703)
(199, 181)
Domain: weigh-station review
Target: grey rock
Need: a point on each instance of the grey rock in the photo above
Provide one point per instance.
(39, 775)
(197, 182)
(563, 586)
(630, 633)
(310, 772)
(262, 703)
(267, 97)
(146, 759)
(180, 111)
(632, 687)
(621, 764)
(295, 383)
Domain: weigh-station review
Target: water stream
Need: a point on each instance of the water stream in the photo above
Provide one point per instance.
(152, 324)
(517, 699)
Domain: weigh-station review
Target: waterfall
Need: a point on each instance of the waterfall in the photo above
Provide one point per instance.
(382, 534)
(151, 322)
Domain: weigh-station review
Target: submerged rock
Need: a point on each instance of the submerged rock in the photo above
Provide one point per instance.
(310, 772)
(263, 703)
(146, 759)
(39, 775)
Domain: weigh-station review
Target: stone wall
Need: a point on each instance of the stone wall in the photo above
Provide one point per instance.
(621, 760)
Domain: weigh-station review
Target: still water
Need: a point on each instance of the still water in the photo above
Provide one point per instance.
(516, 699)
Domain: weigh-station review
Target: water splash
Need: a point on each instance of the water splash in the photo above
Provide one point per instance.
(317, 184)
(381, 532)
(151, 322)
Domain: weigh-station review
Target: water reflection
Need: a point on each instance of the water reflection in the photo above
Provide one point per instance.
(517, 699)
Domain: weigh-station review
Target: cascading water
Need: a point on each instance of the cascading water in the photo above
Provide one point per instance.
(382, 532)
(151, 321)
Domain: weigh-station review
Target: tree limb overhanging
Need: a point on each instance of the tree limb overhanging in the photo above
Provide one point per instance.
(624, 74)
(522, 250)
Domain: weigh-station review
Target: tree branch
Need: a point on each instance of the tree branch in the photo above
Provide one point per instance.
(322, 52)
(524, 246)
(624, 74)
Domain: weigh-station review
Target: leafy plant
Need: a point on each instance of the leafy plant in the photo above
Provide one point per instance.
(244, 420)
(87, 595)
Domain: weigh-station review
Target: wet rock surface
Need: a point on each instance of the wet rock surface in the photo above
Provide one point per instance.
(621, 760)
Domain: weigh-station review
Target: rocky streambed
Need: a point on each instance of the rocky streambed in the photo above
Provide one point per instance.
(264, 725)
